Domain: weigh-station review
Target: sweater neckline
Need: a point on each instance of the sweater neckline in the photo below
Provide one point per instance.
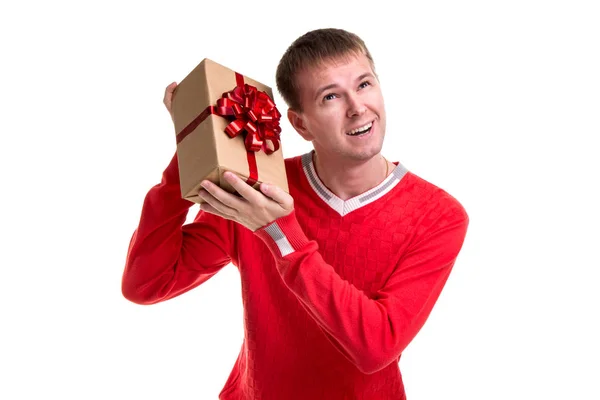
(344, 207)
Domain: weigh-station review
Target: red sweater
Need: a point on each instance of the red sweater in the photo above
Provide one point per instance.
(332, 293)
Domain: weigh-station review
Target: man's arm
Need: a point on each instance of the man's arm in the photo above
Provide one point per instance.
(167, 258)
(372, 331)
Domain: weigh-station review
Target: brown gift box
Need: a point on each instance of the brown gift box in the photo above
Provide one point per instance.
(207, 151)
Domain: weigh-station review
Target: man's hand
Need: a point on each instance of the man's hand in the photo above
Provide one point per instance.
(168, 98)
(254, 209)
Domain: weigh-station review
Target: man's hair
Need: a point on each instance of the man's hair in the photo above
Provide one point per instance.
(311, 49)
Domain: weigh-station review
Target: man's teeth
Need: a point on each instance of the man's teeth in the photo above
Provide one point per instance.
(361, 129)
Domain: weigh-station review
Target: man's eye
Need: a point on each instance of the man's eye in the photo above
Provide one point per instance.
(364, 84)
(330, 96)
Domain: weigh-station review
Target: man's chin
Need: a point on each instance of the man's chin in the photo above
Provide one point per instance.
(364, 155)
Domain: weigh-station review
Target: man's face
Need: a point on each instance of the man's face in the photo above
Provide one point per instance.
(339, 97)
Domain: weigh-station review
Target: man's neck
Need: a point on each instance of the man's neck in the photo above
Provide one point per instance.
(350, 179)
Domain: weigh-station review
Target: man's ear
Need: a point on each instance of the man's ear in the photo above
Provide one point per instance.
(298, 124)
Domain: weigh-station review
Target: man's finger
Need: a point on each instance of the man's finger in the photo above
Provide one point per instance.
(216, 203)
(211, 210)
(169, 93)
(228, 199)
(245, 190)
(278, 195)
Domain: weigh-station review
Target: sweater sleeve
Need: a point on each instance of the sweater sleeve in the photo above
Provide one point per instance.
(166, 258)
(370, 331)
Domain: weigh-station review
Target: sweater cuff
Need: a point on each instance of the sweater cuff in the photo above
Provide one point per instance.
(283, 236)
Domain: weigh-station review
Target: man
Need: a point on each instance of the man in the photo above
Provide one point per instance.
(339, 275)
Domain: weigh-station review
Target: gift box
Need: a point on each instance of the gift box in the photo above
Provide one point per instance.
(225, 121)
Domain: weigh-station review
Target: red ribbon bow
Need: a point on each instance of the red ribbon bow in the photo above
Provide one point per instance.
(253, 112)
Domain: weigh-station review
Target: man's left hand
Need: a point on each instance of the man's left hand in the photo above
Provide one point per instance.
(254, 209)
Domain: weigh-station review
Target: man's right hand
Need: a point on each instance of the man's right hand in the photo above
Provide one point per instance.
(168, 99)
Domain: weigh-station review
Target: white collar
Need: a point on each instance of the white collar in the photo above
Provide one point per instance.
(343, 207)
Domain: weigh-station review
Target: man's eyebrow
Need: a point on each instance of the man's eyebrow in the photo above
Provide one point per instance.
(365, 75)
(324, 88)
(334, 85)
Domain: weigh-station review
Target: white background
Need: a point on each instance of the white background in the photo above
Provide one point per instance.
(496, 102)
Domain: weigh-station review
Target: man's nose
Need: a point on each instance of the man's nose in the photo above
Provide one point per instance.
(355, 106)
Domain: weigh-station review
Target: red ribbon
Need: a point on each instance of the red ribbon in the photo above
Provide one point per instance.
(249, 111)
